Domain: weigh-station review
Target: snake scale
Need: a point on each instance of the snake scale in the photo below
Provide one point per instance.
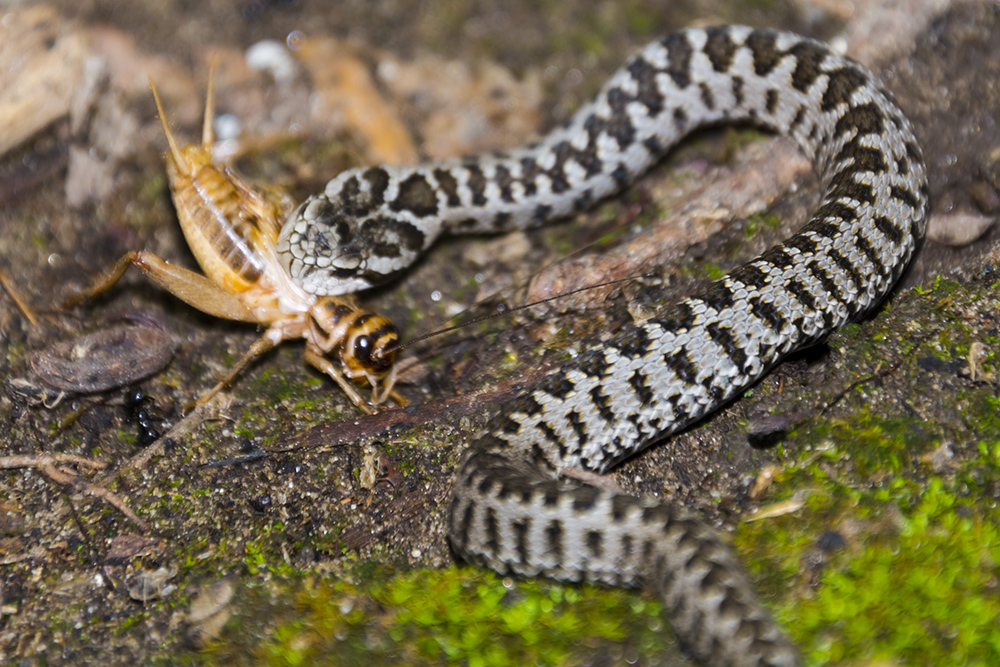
(510, 510)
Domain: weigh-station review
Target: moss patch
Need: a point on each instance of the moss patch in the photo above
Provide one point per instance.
(454, 616)
(891, 556)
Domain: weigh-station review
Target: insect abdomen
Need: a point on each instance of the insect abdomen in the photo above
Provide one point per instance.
(217, 229)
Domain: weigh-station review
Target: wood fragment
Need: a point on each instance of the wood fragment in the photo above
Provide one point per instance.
(42, 58)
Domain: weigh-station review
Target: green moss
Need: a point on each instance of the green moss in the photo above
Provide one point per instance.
(16, 351)
(939, 564)
(612, 237)
(562, 242)
(509, 363)
(461, 616)
(982, 409)
(921, 588)
(275, 384)
(901, 478)
(758, 222)
(712, 271)
(850, 330)
(942, 286)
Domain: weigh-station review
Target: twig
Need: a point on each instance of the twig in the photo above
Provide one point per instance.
(47, 465)
(84, 533)
(61, 477)
(18, 301)
(36, 460)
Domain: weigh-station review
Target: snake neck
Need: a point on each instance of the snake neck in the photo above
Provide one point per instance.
(369, 224)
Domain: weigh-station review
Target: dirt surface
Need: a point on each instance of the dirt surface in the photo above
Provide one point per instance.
(115, 553)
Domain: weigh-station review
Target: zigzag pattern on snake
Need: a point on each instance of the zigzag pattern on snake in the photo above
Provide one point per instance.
(509, 510)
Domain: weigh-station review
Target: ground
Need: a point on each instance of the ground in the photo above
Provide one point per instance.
(858, 479)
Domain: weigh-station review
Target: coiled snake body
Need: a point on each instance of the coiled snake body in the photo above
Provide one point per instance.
(510, 510)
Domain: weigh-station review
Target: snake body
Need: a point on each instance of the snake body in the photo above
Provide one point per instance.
(510, 510)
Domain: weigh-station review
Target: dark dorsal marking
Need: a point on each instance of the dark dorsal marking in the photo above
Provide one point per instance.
(720, 49)
(417, 196)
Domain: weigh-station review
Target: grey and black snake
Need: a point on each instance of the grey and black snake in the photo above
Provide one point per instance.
(510, 510)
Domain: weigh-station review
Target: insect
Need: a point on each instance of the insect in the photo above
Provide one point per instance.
(232, 229)
(137, 407)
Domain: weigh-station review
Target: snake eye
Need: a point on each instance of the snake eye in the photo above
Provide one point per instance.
(363, 346)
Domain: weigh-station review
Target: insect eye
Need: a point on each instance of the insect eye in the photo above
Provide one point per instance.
(363, 348)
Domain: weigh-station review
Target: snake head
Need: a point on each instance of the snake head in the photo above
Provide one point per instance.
(352, 236)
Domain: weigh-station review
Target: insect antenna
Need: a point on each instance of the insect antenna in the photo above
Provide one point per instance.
(632, 213)
(503, 311)
(175, 152)
(207, 132)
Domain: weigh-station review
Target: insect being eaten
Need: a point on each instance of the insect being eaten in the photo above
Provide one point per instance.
(232, 229)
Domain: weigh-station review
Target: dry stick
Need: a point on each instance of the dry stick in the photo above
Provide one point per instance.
(46, 464)
(60, 477)
(84, 533)
(7, 285)
(35, 460)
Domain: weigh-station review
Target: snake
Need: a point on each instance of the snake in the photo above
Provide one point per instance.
(513, 508)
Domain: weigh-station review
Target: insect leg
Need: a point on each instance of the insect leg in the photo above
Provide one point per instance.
(314, 357)
(260, 346)
(193, 288)
(383, 389)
